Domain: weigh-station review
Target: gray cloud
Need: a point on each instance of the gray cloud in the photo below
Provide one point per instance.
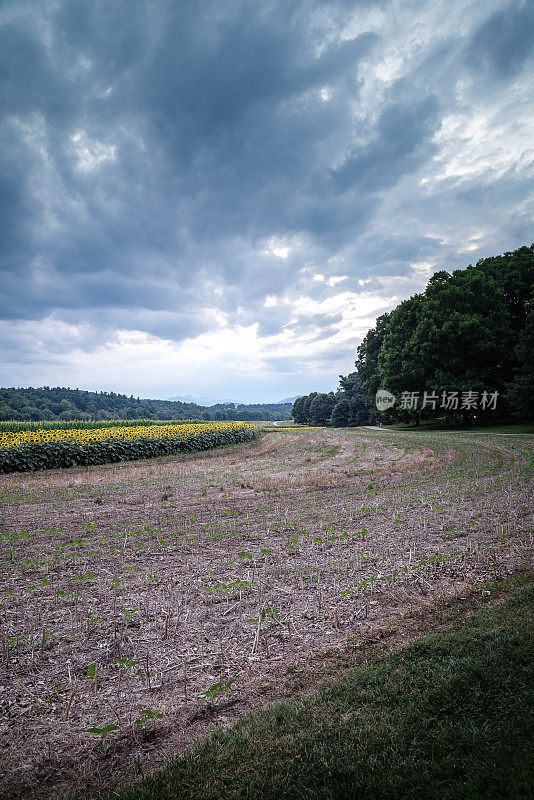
(165, 166)
(504, 41)
(401, 142)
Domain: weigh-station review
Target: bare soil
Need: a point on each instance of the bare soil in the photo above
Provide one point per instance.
(167, 596)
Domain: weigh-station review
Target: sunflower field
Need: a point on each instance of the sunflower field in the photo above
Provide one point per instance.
(48, 449)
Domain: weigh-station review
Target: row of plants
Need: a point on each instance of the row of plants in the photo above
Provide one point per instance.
(36, 450)
(13, 426)
(85, 436)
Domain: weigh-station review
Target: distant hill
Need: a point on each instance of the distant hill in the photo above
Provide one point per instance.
(51, 403)
(213, 401)
(204, 401)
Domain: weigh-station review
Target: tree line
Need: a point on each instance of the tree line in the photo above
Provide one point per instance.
(461, 350)
(346, 407)
(58, 403)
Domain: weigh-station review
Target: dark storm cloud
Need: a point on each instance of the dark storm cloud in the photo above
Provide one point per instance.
(162, 162)
(201, 125)
(402, 141)
(504, 41)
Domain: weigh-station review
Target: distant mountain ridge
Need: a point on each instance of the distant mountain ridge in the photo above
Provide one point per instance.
(204, 400)
(212, 401)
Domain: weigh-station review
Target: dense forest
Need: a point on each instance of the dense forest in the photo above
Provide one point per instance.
(462, 350)
(58, 403)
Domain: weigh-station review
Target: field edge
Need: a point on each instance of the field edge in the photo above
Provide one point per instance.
(292, 748)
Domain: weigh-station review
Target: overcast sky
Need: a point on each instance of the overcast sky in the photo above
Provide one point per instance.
(218, 198)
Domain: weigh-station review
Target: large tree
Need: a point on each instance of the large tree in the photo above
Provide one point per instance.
(301, 410)
(401, 367)
(367, 365)
(459, 335)
(513, 273)
(521, 391)
(298, 411)
(321, 408)
(351, 407)
(341, 415)
(464, 339)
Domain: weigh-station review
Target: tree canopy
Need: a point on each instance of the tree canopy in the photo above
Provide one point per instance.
(521, 390)
(465, 334)
(346, 407)
(462, 348)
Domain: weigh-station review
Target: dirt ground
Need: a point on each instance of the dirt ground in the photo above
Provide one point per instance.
(164, 597)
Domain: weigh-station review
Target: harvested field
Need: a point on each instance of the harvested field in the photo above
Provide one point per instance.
(166, 596)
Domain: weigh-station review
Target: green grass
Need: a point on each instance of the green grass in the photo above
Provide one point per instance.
(431, 425)
(512, 427)
(448, 717)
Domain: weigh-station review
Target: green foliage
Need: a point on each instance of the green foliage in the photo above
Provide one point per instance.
(367, 359)
(74, 405)
(513, 273)
(458, 335)
(147, 716)
(351, 407)
(298, 412)
(401, 368)
(521, 391)
(217, 689)
(301, 411)
(52, 455)
(341, 414)
(313, 409)
(103, 732)
(321, 408)
(346, 407)
(463, 334)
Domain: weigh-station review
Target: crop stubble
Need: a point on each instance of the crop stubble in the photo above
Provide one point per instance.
(196, 586)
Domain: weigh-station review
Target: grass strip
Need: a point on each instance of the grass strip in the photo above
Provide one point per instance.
(526, 426)
(448, 717)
